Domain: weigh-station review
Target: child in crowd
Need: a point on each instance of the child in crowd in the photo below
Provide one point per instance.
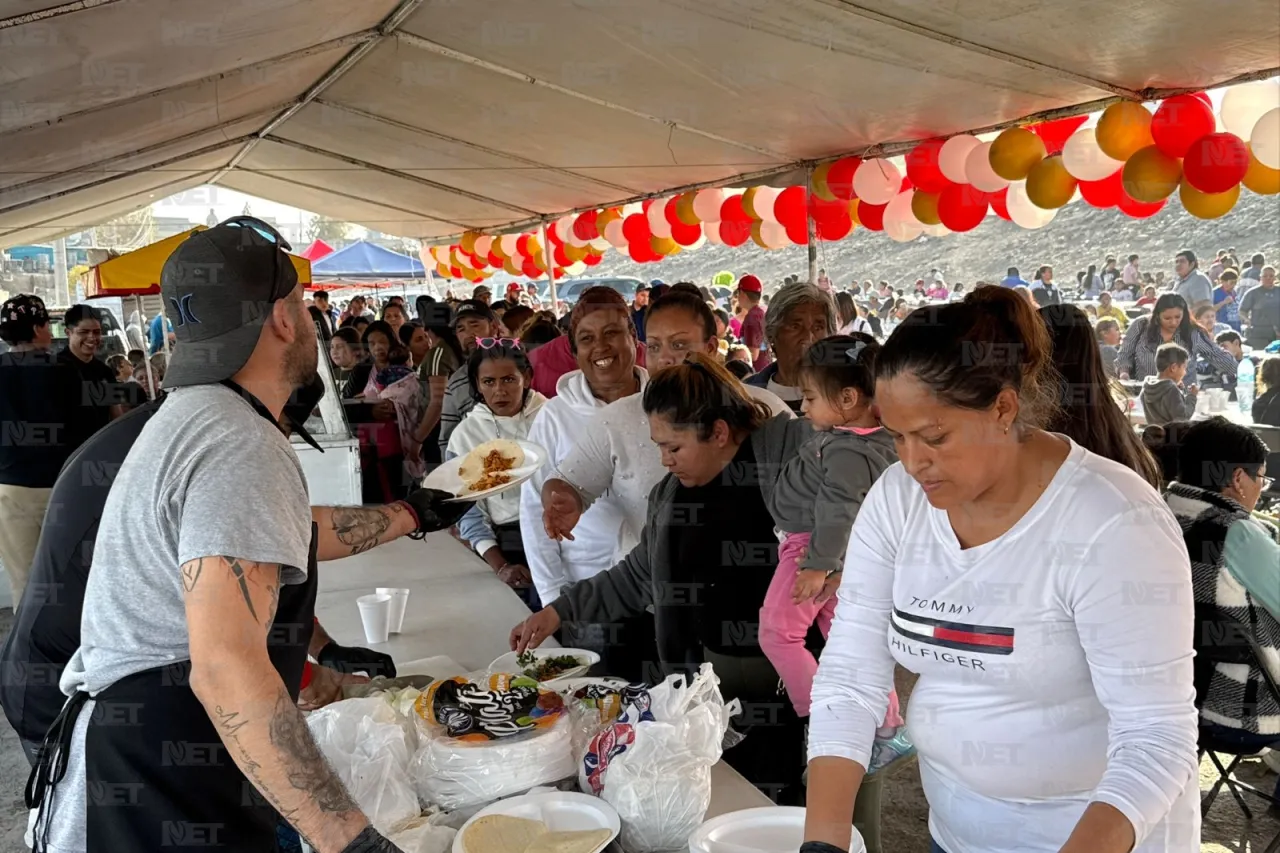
(1163, 398)
(121, 367)
(814, 504)
(500, 377)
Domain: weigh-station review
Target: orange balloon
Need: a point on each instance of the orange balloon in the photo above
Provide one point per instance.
(468, 241)
(1207, 205)
(684, 209)
(576, 253)
(1150, 175)
(664, 245)
(1014, 152)
(925, 208)
(853, 212)
(820, 187)
(1123, 130)
(1049, 184)
(1261, 178)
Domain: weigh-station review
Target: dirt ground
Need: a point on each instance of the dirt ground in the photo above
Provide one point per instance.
(905, 815)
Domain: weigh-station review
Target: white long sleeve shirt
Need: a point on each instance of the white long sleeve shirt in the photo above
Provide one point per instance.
(1055, 662)
(616, 455)
(597, 539)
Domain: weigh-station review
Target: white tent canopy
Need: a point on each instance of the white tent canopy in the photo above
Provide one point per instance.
(423, 118)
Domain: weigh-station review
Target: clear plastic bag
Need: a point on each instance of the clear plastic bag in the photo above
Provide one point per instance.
(422, 835)
(370, 746)
(654, 765)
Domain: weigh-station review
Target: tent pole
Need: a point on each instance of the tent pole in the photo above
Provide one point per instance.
(551, 265)
(146, 356)
(809, 226)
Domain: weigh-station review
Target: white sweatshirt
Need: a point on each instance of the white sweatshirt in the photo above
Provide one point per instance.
(1055, 662)
(616, 455)
(481, 425)
(595, 544)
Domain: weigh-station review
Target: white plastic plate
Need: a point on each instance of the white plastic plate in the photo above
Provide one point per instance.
(507, 663)
(446, 479)
(561, 811)
(771, 829)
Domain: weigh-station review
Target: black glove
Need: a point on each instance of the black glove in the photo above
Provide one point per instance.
(370, 841)
(349, 659)
(435, 510)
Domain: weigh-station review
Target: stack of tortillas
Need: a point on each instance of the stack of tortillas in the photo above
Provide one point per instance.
(503, 834)
(471, 470)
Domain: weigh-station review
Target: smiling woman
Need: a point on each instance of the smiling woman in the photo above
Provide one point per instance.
(990, 531)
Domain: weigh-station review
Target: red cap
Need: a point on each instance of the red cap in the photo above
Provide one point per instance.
(513, 286)
(750, 284)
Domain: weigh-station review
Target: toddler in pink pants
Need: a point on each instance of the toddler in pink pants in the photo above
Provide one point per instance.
(814, 503)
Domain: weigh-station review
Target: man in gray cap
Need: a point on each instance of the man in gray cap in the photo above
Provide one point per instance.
(182, 729)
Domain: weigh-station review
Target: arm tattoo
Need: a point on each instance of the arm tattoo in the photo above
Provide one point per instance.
(360, 528)
(191, 573)
(302, 760)
(243, 580)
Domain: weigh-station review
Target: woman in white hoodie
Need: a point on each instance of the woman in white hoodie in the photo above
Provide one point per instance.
(499, 375)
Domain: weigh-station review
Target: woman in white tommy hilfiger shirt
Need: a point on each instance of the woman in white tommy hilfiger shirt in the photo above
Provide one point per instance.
(1042, 593)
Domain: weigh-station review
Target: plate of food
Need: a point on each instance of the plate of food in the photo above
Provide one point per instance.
(492, 467)
(555, 822)
(771, 829)
(549, 667)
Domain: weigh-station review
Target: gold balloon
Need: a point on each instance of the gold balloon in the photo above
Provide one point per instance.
(925, 208)
(606, 216)
(820, 186)
(664, 245)
(1049, 184)
(1014, 152)
(510, 267)
(575, 253)
(684, 209)
(1261, 178)
(853, 213)
(755, 235)
(748, 202)
(1123, 130)
(468, 241)
(443, 271)
(1207, 205)
(1151, 175)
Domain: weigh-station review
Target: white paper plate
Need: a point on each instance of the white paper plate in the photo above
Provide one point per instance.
(772, 829)
(446, 479)
(561, 811)
(507, 663)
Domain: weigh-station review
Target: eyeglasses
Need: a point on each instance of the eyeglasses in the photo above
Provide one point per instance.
(1267, 483)
(490, 343)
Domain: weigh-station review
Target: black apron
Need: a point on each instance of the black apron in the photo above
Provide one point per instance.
(158, 777)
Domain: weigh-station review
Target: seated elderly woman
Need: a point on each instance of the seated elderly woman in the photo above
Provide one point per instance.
(799, 315)
(1222, 471)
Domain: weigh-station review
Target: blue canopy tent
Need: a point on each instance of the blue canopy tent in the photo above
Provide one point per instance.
(366, 262)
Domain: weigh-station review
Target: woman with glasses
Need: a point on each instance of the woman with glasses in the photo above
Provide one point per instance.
(500, 378)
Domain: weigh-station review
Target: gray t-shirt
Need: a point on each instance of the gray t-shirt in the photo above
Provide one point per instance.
(1195, 289)
(208, 476)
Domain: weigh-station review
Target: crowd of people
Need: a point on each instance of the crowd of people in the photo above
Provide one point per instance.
(805, 488)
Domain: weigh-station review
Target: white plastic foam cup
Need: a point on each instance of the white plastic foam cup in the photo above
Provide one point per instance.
(375, 613)
(399, 598)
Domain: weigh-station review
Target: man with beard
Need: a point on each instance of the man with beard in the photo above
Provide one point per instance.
(181, 729)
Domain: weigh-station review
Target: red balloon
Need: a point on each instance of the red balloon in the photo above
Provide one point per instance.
(561, 259)
(733, 211)
(1104, 193)
(685, 235)
(871, 216)
(638, 252)
(1203, 96)
(1215, 163)
(454, 272)
(822, 211)
(522, 245)
(833, 228)
(530, 268)
(591, 259)
(788, 207)
(1000, 203)
(798, 232)
(670, 213)
(961, 207)
(585, 226)
(495, 260)
(636, 229)
(840, 177)
(923, 169)
(1055, 133)
(1180, 121)
(905, 185)
(1139, 209)
(558, 273)
(733, 232)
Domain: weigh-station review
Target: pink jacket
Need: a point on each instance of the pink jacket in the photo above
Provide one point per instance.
(553, 360)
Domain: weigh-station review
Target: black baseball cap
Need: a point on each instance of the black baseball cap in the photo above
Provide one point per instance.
(474, 308)
(218, 287)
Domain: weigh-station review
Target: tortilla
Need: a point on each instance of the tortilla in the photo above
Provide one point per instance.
(472, 469)
(502, 834)
(586, 841)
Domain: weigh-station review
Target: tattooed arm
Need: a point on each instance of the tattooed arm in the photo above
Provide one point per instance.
(348, 530)
(230, 604)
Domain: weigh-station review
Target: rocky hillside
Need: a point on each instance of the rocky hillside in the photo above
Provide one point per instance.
(1080, 235)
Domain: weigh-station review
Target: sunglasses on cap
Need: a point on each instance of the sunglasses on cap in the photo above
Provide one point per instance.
(263, 229)
(490, 343)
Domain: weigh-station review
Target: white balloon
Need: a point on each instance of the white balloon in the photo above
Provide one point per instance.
(1084, 160)
(575, 268)
(464, 261)
(563, 227)
(1242, 106)
(706, 204)
(483, 244)
(599, 244)
(900, 221)
(938, 230)
(773, 235)
(712, 232)
(508, 244)
(1265, 139)
(575, 240)
(633, 207)
(613, 233)
(952, 157)
(658, 218)
(876, 181)
(977, 168)
(1023, 212)
(763, 203)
